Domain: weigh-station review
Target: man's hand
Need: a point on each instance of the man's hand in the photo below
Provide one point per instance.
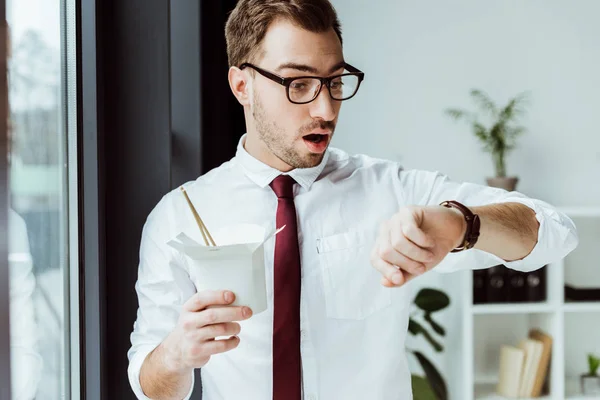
(205, 316)
(166, 372)
(415, 240)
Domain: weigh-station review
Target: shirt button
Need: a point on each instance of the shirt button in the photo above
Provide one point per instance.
(311, 397)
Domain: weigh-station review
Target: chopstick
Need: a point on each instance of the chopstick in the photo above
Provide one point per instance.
(208, 240)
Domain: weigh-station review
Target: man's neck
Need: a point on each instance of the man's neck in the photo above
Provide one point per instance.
(257, 149)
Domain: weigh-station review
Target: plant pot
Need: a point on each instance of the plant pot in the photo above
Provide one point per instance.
(504, 182)
(590, 384)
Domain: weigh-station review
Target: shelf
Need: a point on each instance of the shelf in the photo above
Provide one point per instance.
(574, 393)
(487, 391)
(583, 306)
(581, 211)
(513, 308)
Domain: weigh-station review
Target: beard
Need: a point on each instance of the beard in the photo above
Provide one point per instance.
(282, 147)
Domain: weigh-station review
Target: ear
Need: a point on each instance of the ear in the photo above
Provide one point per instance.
(239, 84)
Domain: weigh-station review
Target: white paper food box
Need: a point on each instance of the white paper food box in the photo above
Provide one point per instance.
(236, 264)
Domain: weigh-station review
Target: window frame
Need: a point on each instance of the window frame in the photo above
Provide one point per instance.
(5, 381)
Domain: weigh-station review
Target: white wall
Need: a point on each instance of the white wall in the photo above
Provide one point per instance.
(421, 57)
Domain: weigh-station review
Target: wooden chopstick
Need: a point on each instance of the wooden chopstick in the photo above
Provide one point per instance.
(208, 240)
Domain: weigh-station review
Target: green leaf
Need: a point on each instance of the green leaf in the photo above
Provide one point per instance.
(416, 329)
(431, 300)
(484, 101)
(421, 389)
(514, 108)
(482, 133)
(433, 376)
(436, 327)
(593, 363)
(456, 113)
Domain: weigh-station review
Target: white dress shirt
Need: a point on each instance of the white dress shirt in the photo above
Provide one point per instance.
(353, 329)
(26, 363)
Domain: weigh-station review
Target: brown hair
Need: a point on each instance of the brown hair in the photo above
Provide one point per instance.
(248, 23)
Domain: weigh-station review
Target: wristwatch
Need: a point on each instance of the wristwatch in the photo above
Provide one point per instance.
(473, 225)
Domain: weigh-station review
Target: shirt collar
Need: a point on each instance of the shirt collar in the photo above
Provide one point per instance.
(262, 174)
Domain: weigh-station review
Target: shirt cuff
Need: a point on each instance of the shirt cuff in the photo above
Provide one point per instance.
(557, 237)
(135, 366)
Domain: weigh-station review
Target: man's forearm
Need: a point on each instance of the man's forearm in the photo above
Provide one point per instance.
(161, 382)
(508, 230)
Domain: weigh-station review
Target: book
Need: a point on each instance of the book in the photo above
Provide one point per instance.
(543, 367)
(524, 368)
(533, 353)
(511, 366)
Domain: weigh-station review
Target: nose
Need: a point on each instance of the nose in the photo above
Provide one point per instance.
(323, 106)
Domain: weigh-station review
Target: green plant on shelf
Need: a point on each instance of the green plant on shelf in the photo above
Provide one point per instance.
(501, 136)
(431, 386)
(593, 364)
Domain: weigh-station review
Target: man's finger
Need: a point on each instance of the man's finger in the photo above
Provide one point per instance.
(417, 236)
(403, 278)
(201, 300)
(219, 315)
(209, 332)
(386, 282)
(402, 244)
(386, 269)
(221, 346)
(391, 273)
(392, 256)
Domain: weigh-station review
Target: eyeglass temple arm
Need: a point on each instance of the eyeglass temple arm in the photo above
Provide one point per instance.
(266, 74)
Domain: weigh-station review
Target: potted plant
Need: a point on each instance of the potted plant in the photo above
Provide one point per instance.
(590, 382)
(499, 137)
(431, 386)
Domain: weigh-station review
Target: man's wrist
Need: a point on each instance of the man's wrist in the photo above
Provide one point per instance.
(472, 222)
(171, 359)
(460, 218)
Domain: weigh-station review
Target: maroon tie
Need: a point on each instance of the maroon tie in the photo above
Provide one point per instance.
(286, 320)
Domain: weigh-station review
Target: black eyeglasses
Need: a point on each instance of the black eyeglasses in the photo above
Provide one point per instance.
(304, 89)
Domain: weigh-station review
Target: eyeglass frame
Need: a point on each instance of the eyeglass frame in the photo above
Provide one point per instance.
(353, 71)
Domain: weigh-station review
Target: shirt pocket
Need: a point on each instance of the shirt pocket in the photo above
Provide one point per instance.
(352, 287)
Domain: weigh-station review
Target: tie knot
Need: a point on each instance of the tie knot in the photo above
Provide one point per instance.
(283, 186)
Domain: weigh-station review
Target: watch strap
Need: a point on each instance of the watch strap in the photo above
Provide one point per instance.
(473, 225)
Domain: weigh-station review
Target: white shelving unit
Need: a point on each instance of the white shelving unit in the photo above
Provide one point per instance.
(574, 326)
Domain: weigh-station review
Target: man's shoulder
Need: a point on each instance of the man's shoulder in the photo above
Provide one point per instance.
(342, 160)
(170, 201)
(213, 176)
(343, 165)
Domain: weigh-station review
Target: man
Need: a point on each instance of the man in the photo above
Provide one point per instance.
(25, 362)
(357, 229)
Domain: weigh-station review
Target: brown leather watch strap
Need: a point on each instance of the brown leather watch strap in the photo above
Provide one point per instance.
(473, 225)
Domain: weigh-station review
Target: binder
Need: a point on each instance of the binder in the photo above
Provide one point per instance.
(497, 289)
(517, 290)
(536, 284)
(479, 286)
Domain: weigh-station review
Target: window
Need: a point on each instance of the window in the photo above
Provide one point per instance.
(41, 101)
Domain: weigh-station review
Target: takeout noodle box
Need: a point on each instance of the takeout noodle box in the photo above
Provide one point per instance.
(236, 264)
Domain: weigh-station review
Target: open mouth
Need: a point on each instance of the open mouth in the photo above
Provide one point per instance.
(315, 138)
(316, 142)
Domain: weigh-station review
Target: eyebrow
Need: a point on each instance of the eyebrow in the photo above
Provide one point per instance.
(308, 68)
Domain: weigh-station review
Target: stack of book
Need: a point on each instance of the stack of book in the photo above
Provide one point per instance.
(500, 284)
(524, 368)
